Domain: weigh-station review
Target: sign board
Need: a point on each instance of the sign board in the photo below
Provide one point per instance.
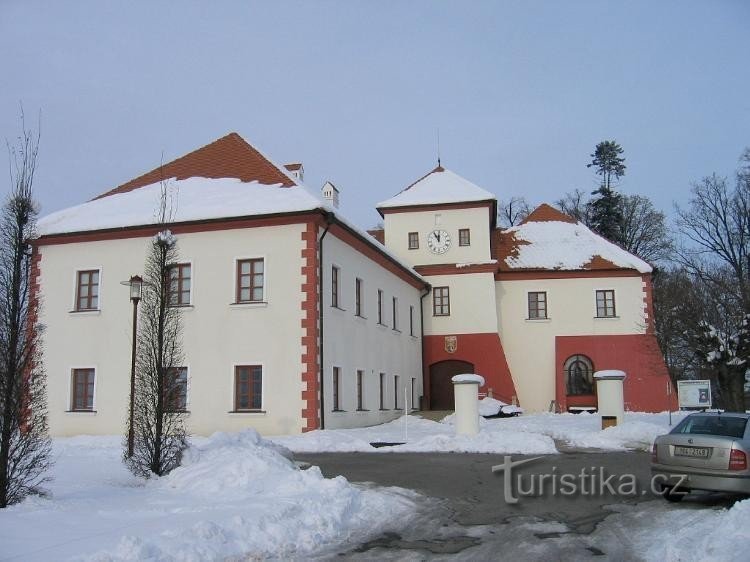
(694, 394)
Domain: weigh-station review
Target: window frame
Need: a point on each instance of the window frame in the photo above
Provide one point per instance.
(77, 289)
(395, 392)
(237, 280)
(336, 389)
(358, 302)
(335, 285)
(568, 364)
(464, 237)
(413, 240)
(235, 395)
(536, 309)
(72, 394)
(383, 392)
(380, 307)
(180, 280)
(411, 319)
(604, 293)
(168, 407)
(444, 303)
(394, 306)
(360, 390)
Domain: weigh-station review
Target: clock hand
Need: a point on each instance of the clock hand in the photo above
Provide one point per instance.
(437, 236)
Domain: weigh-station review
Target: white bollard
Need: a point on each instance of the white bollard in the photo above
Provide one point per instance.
(466, 396)
(609, 390)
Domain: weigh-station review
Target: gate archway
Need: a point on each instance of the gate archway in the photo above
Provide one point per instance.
(441, 387)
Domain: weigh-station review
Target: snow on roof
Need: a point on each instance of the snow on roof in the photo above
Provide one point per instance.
(439, 186)
(562, 245)
(192, 198)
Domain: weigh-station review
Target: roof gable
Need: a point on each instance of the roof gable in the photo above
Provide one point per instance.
(547, 213)
(440, 186)
(228, 157)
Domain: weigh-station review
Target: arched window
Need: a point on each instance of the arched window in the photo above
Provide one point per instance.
(579, 375)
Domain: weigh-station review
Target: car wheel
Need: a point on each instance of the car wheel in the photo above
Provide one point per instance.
(672, 494)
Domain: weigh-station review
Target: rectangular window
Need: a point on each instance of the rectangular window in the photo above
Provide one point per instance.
(382, 391)
(380, 306)
(537, 305)
(395, 313)
(87, 290)
(250, 282)
(175, 390)
(248, 388)
(395, 392)
(411, 320)
(335, 286)
(82, 399)
(179, 284)
(413, 240)
(464, 237)
(441, 301)
(360, 396)
(605, 304)
(358, 309)
(336, 383)
(413, 384)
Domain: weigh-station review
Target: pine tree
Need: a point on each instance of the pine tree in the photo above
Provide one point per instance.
(606, 207)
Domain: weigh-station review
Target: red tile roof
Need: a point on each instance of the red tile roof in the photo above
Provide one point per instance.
(228, 157)
(547, 213)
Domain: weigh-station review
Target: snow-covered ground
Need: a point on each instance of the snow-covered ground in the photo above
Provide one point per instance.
(236, 495)
(530, 434)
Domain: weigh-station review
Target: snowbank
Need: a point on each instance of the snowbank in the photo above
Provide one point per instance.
(492, 407)
(236, 496)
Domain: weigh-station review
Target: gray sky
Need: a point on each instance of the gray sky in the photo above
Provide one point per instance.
(521, 91)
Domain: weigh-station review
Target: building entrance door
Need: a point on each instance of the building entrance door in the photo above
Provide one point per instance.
(441, 387)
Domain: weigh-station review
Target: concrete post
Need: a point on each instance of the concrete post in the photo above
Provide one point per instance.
(466, 395)
(610, 396)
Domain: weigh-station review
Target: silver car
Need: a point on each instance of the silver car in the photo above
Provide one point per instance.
(705, 451)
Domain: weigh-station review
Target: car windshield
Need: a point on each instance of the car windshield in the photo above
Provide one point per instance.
(728, 426)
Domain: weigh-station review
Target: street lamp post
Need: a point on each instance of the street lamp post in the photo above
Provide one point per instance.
(136, 286)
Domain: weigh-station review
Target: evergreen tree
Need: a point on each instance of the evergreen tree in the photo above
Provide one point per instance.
(606, 207)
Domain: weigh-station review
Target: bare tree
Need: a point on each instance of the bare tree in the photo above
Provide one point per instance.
(644, 229)
(159, 430)
(716, 252)
(576, 204)
(24, 440)
(513, 212)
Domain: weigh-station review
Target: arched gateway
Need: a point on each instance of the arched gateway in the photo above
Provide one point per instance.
(441, 387)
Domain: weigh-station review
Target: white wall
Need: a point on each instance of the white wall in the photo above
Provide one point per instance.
(472, 299)
(571, 307)
(353, 343)
(398, 226)
(217, 335)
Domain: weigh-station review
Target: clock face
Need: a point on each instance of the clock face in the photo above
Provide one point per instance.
(438, 241)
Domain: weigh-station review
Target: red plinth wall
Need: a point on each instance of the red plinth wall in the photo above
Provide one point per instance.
(484, 351)
(646, 385)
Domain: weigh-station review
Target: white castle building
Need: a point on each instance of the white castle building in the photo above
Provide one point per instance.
(296, 319)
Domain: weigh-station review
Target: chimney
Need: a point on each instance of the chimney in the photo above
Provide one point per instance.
(331, 194)
(296, 170)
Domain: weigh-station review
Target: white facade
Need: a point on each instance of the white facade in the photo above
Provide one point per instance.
(355, 343)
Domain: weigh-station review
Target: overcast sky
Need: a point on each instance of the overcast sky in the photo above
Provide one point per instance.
(521, 91)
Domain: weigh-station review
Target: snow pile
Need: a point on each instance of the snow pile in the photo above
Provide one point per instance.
(562, 245)
(420, 435)
(236, 496)
(439, 186)
(492, 407)
(666, 533)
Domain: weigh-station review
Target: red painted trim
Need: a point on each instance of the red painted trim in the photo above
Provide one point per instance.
(365, 248)
(646, 380)
(489, 203)
(484, 351)
(310, 393)
(451, 269)
(522, 275)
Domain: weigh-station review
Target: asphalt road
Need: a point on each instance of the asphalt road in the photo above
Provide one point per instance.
(463, 505)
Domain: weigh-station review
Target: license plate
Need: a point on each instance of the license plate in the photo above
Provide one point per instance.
(701, 452)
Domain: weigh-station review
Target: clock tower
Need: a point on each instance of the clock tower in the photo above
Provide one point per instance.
(442, 225)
